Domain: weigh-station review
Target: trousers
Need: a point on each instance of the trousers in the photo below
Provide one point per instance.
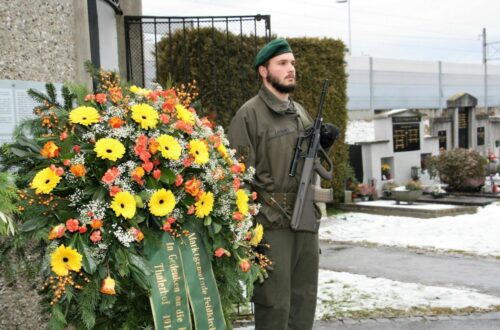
(287, 299)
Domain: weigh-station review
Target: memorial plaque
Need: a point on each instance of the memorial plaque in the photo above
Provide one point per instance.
(406, 133)
(480, 136)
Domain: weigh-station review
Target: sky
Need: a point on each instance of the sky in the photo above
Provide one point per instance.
(427, 30)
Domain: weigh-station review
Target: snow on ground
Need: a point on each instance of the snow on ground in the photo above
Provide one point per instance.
(345, 295)
(472, 233)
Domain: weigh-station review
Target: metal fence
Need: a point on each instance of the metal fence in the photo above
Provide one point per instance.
(143, 33)
(378, 83)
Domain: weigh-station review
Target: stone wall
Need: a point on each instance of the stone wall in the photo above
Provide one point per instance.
(37, 39)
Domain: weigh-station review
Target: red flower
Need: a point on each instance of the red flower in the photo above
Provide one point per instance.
(72, 225)
(82, 230)
(165, 118)
(219, 252)
(115, 122)
(57, 232)
(76, 148)
(156, 174)
(64, 136)
(237, 216)
(148, 166)
(236, 184)
(166, 227)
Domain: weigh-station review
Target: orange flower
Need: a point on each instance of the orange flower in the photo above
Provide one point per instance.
(183, 126)
(236, 184)
(100, 98)
(72, 225)
(237, 216)
(111, 175)
(96, 237)
(108, 286)
(153, 146)
(168, 105)
(116, 94)
(50, 150)
(114, 190)
(116, 122)
(57, 232)
(244, 265)
(192, 187)
(178, 180)
(64, 136)
(77, 170)
(139, 172)
(157, 174)
(96, 224)
(138, 235)
(220, 252)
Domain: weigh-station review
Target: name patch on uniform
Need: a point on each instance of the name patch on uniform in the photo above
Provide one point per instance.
(280, 131)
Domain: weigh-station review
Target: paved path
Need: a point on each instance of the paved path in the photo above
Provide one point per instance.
(403, 265)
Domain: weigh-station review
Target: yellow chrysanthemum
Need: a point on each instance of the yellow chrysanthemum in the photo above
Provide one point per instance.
(84, 116)
(222, 150)
(162, 202)
(139, 91)
(64, 259)
(124, 205)
(45, 181)
(145, 115)
(184, 114)
(198, 149)
(107, 148)
(258, 233)
(169, 147)
(204, 205)
(242, 201)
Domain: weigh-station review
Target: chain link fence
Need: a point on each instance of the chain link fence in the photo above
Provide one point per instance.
(143, 33)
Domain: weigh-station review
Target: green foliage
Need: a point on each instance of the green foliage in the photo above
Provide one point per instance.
(461, 169)
(221, 63)
(413, 185)
(8, 209)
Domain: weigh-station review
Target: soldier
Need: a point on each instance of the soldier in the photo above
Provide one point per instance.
(264, 132)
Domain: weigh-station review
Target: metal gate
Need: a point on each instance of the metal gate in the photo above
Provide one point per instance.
(143, 33)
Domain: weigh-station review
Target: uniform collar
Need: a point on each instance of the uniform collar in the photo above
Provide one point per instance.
(274, 103)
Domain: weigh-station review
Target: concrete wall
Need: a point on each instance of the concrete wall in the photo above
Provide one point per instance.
(37, 41)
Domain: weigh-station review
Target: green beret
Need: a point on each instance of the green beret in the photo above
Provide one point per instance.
(272, 49)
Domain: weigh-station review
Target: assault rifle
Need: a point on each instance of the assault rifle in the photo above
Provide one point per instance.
(304, 202)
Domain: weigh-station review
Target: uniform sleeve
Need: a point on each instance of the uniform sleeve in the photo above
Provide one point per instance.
(242, 138)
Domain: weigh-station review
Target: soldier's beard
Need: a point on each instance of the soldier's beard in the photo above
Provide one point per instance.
(285, 89)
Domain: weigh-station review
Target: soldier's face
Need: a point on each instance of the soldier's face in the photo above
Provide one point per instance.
(280, 72)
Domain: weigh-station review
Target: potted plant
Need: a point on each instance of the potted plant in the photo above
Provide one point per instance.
(408, 193)
(386, 171)
(387, 188)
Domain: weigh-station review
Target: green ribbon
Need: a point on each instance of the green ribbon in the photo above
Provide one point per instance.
(183, 284)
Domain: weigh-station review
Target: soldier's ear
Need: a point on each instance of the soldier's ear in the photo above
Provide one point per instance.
(262, 71)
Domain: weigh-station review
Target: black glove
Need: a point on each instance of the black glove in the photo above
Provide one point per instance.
(329, 133)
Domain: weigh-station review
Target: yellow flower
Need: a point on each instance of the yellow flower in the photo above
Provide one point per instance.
(169, 147)
(64, 259)
(139, 91)
(242, 201)
(107, 148)
(222, 150)
(124, 205)
(145, 115)
(184, 114)
(45, 181)
(258, 233)
(162, 202)
(84, 116)
(198, 149)
(204, 205)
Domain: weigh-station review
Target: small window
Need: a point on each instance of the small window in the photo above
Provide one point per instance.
(480, 136)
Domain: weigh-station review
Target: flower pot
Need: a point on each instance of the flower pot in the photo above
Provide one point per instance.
(408, 196)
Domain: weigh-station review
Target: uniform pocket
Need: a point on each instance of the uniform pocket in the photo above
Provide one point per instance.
(268, 217)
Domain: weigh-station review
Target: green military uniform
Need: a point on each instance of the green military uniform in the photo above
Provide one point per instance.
(264, 132)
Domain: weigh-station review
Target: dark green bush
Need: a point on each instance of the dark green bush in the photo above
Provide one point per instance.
(221, 63)
(461, 169)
